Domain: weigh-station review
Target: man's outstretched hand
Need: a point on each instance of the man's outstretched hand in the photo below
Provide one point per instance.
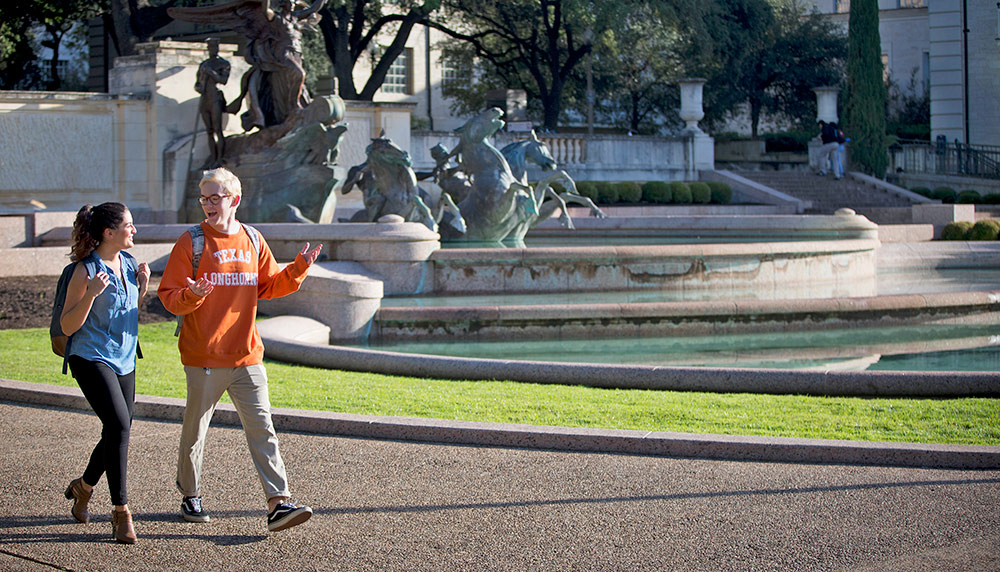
(311, 255)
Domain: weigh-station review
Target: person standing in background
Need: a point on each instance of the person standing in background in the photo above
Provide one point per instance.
(828, 152)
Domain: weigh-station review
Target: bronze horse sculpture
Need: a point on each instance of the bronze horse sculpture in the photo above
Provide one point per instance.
(496, 202)
(389, 186)
(547, 200)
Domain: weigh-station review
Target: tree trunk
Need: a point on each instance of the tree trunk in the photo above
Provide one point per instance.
(634, 119)
(755, 107)
(335, 42)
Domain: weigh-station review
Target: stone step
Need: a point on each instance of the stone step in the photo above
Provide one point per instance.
(825, 193)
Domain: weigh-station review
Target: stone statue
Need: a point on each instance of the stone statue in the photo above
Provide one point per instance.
(274, 87)
(534, 150)
(297, 169)
(497, 202)
(389, 186)
(212, 105)
(447, 177)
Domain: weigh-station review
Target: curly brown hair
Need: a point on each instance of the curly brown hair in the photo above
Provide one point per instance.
(90, 224)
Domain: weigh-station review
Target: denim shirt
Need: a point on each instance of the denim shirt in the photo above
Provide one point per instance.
(110, 333)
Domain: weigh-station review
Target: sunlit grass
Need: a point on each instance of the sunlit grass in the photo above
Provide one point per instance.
(25, 355)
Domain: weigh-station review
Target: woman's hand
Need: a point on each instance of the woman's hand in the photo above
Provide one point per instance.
(97, 284)
(143, 275)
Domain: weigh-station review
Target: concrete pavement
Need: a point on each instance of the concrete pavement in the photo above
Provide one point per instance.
(396, 505)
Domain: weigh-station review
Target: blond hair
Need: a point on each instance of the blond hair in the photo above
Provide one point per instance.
(225, 179)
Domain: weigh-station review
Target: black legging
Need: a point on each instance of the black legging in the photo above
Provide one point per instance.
(112, 397)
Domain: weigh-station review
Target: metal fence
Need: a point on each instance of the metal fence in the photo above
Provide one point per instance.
(944, 158)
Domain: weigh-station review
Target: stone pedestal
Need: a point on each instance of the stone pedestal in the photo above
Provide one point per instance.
(342, 295)
(166, 72)
(941, 215)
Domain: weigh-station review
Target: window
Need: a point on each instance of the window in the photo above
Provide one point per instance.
(885, 68)
(912, 3)
(454, 73)
(398, 79)
(841, 6)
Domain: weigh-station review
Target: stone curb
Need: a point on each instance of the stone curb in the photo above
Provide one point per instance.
(723, 447)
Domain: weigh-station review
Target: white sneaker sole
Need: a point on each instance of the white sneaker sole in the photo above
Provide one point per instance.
(190, 518)
(291, 519)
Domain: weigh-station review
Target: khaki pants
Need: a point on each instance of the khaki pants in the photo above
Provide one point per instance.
(247, 387)
(828, 155)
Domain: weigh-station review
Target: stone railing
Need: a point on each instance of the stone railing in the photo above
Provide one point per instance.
(595, 158)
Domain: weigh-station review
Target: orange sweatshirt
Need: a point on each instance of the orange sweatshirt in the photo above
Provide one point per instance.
(219, 330)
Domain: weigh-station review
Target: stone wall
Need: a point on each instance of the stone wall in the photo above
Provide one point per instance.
(67, 149)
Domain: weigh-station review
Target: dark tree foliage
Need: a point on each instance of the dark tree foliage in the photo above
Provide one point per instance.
(350, 29)
(17, 58)
(533, 45)
(45, 22)
(769, 55)
(735, 30)
(135, 21)
(866, 90)
(637, 63)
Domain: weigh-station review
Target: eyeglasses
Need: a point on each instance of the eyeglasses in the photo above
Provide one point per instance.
(214, 199)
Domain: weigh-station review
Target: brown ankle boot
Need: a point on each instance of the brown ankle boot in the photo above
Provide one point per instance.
(121, 526)
(80, 498)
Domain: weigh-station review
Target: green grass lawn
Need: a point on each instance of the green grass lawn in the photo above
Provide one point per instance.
(25, 356)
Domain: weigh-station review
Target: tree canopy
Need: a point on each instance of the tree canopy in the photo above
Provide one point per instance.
(351, 28)
(768, 56)
(38, 24)
(866, 90)
(532, 45)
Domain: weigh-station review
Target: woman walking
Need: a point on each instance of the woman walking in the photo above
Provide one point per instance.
(101, 314)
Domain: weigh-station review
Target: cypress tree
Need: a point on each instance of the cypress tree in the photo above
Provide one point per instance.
(866, 90)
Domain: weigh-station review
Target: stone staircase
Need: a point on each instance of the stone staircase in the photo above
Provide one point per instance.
(827, 194)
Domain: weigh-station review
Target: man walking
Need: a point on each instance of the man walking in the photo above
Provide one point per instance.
(215, 274)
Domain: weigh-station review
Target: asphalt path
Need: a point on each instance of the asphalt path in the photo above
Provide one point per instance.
(396, 505)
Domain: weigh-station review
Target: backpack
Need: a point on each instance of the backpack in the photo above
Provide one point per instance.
(198, 245)
(59, 340)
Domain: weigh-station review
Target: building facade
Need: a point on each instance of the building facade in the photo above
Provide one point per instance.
(950, 49)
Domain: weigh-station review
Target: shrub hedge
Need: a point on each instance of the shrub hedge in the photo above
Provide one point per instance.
(587, 189)
(984, 230)
(968, 197)
(607, 194)
(956, 230)
(656, 192)
(681, 192)
(629, 192)
(701, 194)
(944, 194)
(722, 193)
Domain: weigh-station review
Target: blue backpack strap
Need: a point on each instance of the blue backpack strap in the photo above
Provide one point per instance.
(197, 246)
(134, 265)
(254, 235)
(131, 261)
(90, 265)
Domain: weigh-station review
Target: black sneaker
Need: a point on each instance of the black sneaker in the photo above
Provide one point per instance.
(287, 515)
(191, 510)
